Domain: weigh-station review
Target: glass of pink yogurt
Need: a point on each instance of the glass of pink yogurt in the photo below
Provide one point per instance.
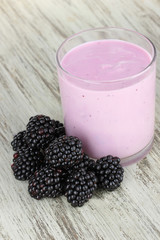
(107, 86)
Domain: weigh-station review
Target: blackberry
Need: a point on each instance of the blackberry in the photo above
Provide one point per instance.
(109, 172)
(26, 162)
(59, 129)
(87, 163)
(47, 182)
(40, 131)
(80, 187)
(19, 141)
(64, 152)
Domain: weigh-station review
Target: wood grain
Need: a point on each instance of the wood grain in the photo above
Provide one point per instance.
(30, 33)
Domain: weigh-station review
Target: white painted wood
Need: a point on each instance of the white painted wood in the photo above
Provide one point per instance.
(30, 33)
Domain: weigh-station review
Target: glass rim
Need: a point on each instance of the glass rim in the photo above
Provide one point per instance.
(108, 80)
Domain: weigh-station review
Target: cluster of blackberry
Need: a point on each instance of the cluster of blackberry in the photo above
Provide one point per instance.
(55, 164)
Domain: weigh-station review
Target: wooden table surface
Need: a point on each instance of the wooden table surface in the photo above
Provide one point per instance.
(30, 33)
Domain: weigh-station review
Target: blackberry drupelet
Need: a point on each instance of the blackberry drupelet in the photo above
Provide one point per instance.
(109, 172)
(40, 131)
(59, 129)
(19, 141)
(47, 182)
(64, 152)
(80, 187)
(15, 156)
(26, 162)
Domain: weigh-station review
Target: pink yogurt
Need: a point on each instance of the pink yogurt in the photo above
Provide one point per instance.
(109, 116)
